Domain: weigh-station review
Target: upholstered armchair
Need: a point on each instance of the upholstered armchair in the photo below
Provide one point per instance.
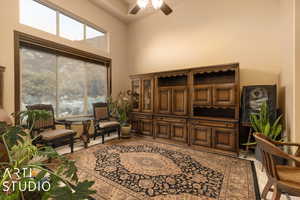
(283, 179)
(103, 123)
(47, 132)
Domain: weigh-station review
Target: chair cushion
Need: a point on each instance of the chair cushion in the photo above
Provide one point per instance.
(57, 133)
(107, 124)
(290, 175)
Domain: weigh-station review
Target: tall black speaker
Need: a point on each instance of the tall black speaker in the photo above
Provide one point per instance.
(252, 98)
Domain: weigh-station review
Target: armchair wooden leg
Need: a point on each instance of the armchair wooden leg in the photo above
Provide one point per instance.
(95, 134)
(103, 133)
(72, 143)
(266, 189)
(276, 194)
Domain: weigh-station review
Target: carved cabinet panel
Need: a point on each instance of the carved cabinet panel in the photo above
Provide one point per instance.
(164, 100)
(224, 139)
(147, 95)
(146, 127)
(202, 95)
(179, 100)
(178, 132)
(224, 95)
(201, 135)
(162, 129)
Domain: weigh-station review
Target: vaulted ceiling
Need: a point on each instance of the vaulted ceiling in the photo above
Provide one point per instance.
(120, 8)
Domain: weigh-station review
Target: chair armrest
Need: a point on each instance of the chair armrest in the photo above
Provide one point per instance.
(60, 122)
(286, 143)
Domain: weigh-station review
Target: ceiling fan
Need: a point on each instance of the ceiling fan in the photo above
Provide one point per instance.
(156, 4)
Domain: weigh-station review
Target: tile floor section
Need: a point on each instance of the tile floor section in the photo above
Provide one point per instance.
(261, 176)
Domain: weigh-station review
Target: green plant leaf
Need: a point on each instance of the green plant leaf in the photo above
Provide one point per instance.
(267, 129)
(249, 143)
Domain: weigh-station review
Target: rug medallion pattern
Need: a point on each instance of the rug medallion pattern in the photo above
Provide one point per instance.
(139, 169)
(155, 171)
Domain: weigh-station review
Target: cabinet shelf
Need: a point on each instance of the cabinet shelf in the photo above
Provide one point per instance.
(179, 80)
(214, 77)
(214, 112)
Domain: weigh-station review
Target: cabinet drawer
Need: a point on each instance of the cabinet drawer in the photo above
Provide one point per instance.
(141, 116)
(168, 119)
(213, 123)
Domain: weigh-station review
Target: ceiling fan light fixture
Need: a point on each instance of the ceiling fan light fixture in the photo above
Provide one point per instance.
(142, 3)
(157, 3)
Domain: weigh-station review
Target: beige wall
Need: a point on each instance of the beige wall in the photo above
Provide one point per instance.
(9, 14)
(287, 71)
(210, 32)
(297, 72)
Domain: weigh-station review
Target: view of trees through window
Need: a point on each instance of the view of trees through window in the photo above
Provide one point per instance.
(70, 85)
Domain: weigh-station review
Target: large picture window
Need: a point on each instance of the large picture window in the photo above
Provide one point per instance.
(70, 85)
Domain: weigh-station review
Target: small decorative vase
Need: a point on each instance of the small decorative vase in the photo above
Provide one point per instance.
(126, 131)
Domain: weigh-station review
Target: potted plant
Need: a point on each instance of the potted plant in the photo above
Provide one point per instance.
(26, 174)
(261, 123)
(121, 108)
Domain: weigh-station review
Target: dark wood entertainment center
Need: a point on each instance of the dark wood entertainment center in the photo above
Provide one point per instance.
(197, 106)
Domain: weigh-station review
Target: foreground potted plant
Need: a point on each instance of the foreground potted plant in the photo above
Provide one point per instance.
(121, 108)
(261, 123)
(25, 173)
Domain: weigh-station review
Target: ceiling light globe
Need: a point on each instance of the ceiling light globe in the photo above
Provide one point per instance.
(142, 3)
(157, 3)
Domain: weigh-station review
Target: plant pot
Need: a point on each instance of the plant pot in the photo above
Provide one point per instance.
(126, 131)
(258, 156)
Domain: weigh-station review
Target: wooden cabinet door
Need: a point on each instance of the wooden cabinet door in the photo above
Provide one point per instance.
(200, 135)
(162, 129)
(135, 125)
(136, 93)
(224, 95)
(146, 127)
(179, 100)
(202, 95)
(224, 139)
(178, 132)
(147, 95)
(164, 100)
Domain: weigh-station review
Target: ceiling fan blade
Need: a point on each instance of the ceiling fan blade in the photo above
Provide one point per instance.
(135, 10)
(166, 9)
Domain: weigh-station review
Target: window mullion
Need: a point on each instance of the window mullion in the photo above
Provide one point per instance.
(85, 91)
(57, 102)
(84, 32)
(57, 23)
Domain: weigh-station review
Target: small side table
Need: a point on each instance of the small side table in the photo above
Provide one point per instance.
(86, 123)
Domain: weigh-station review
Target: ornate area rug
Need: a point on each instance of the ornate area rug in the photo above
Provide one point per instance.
(145, 169)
